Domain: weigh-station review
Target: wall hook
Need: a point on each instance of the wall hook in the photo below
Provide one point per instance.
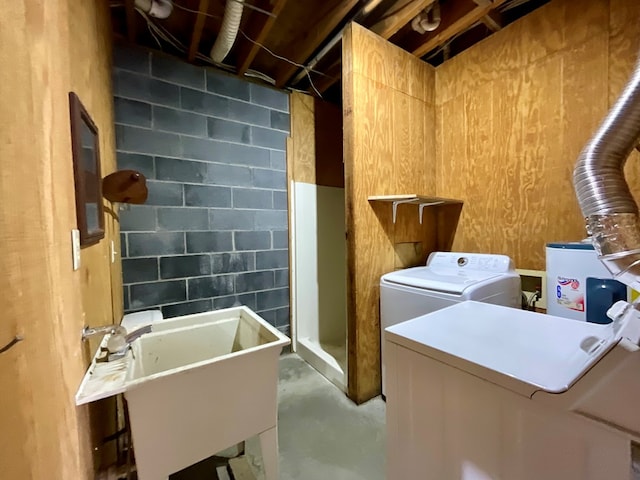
(15, 340)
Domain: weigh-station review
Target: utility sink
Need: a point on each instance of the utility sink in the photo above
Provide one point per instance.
(194, 386)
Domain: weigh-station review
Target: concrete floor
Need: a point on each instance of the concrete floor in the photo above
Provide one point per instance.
(322, 434)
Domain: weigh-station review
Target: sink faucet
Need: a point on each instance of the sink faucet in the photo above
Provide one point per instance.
(119, 339)
(88, 332)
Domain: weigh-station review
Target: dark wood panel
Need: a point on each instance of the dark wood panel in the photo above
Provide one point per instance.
(328, 140)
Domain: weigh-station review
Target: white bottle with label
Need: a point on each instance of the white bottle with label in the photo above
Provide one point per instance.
(568, 267)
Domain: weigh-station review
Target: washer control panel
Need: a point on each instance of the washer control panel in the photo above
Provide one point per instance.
(471, 261)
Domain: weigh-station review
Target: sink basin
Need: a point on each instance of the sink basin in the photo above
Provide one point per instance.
(194, 386)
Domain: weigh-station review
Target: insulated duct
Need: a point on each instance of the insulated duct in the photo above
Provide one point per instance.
(603, 194)
(228, 30)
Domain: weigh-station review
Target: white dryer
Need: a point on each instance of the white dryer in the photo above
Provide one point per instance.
(448, 278)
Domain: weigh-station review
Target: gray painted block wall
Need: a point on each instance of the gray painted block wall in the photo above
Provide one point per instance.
(213, 232)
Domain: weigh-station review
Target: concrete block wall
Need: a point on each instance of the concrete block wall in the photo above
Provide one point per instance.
(213, 232)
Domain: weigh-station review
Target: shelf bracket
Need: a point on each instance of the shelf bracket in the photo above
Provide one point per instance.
(398, 202)
(421, 208)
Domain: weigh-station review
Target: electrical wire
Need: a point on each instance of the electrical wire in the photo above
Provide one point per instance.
(280, 57)
(248, 5)
(512, 4)
(154, 36)
(177, 5)
(168, 37)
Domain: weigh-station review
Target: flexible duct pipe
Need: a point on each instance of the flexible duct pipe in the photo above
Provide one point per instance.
(606, 202)
(155, 8)
(228, 30)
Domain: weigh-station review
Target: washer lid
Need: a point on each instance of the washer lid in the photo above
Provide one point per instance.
(438, 279)
(503, 344)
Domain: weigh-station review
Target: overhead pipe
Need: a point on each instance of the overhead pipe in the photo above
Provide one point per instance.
(422, 24)
(363, 12)
(606, 202)
(155, 8)
(228, 30)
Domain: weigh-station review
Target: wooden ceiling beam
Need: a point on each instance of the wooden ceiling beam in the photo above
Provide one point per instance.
(301, 48)
(258, 29)
(196, 35)
(493, 21)
(398, 15)
(130, 12)
(332, 74)
(454, 25)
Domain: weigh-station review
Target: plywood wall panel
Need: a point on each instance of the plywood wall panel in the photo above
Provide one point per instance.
(584, 106)
(583, 20)
(624, 48)
(387, 106)
(523, 143)
(53, 47)
(559, 25)
(302, 162)
(403, 168)
(452, 167)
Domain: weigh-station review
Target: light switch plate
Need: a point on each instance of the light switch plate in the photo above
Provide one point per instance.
(75, 248)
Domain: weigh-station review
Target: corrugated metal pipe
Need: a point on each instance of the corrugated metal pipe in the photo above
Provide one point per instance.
(609, 208)
(228, 30)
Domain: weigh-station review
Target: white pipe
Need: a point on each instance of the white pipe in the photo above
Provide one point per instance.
(155, 8)
(228, 30)
(421, 22)
(431, 25)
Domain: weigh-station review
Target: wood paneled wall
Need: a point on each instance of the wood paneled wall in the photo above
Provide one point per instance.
(389, 116)
(315, 148)
(513, 113)
(48, 49)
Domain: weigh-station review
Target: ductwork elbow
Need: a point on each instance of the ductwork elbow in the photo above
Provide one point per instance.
(156, 8)
(228, 30)
(427, 20)
(610, 210)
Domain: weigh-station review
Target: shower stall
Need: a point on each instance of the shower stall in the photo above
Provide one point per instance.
(317, 237)
(319, 278)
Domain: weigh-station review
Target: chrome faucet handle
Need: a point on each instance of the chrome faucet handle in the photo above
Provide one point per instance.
(88, 331)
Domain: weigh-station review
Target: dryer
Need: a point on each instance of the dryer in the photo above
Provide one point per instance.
(448, 278)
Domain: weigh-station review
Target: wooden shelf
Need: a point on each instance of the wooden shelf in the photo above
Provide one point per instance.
(420, 200)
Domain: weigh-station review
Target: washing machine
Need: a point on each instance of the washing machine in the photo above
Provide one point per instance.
(448, 278)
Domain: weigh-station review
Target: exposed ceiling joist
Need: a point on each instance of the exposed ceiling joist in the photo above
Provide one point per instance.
(197, 29)
(131, 20)
(399, 14)
(332, 75)
(493, 21)
(455, 24)
(301, 48)
(258, 29)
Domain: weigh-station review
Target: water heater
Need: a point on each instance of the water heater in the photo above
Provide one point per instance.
(578, 284)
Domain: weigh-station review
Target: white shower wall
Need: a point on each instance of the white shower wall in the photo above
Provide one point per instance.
(319, 278)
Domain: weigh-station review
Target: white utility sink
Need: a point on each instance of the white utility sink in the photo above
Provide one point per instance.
(194, 386)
